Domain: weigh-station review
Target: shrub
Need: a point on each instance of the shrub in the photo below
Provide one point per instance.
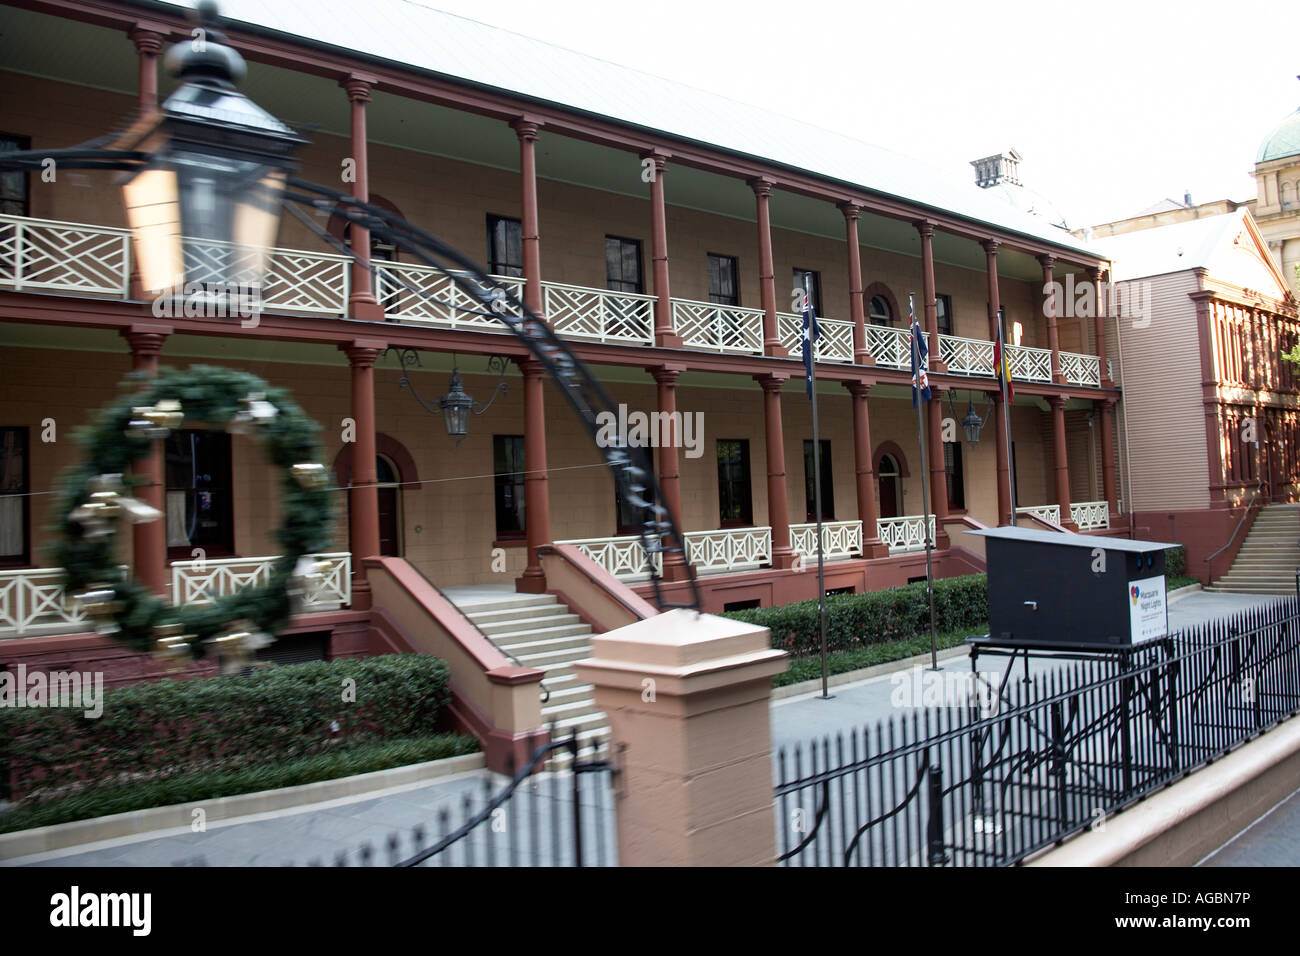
(156, 730)
(859, 620)
(1175, 562)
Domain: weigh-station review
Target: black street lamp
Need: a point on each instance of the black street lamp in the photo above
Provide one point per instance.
(972, 424)
(204, 208)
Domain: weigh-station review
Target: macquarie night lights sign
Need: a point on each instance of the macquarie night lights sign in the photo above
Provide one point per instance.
(1147, 614)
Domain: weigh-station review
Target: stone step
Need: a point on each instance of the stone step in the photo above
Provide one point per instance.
(484, 619)
(472, 607)
(546, 658)
(559, 643)
(508, 628)
(563, 710)
(524, 638)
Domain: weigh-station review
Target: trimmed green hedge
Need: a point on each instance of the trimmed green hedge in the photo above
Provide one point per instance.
(1175, 562)
(859, 620)
(275, 714)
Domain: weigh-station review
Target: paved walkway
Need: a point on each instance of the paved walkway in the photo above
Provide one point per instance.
(1272, 840)
(320, 832)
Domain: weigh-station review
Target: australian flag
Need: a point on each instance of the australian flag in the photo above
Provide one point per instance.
(920, 377)
(809, 342)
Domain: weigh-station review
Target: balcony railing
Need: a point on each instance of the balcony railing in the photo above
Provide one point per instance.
(79, 259)
(32, 602)
(623, 556)
(727, 549)
(1090, 515)
(718, 328)
(1050, 513)
(967, 356)
(834, 341)
(889, 346)
(905, 533)
(840, 539)
(199, 582)
(1030, 364)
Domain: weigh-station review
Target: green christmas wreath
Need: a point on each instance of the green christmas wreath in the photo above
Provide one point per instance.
(94, 498)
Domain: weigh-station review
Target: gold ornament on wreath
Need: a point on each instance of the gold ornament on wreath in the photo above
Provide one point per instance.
(96, 497)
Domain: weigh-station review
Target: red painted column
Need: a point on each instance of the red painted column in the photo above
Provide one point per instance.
(148, 40)
(872, 546)
(1005, 505)
(526, 130)
(857, 311)
(1108, 452)
(1099, 331)
(767, 272)
(670, 485)
(665, 335)
(778, 508)
(362, 298)
(363, 511)
(1049, 310)
(1061, 460)
(537, 505)
(149, 539)
(934, 411)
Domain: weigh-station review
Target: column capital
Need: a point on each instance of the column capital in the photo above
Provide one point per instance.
(858, 389)
(147, 37)
(924, 227)
(1108, 403)
(529, 367)
(362, 353)
(1094, 273)
(852, 210)
(666, 374)
(146, 339)
(991, 246)
(1047, 261)
(1057, 402)
(526, 128)
(358, 86)
(660, 156)
(762, 187)
(771, 382)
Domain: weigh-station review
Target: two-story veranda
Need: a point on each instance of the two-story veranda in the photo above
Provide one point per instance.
(666, 258)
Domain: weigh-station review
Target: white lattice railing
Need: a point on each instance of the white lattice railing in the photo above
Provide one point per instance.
(198, 582)
(32, 601)
(905, 533)
(1030, 364)
(416, 293)
(968, 356)
(834, 338)
(721, 328)
(295, 280)
(1090, 515)
(889, 346)
(623, 557)
(729, 549)
(42, 254)
(578, 312)
(1051, 513)
(1081, 369)
(840, 539)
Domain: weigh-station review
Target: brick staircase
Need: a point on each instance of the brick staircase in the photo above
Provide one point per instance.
(1270, 555)
(539, 631)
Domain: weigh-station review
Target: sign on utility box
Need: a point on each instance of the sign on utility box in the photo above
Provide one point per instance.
(1048, 587)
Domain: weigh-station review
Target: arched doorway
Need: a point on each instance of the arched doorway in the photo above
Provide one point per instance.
(389, 492)
(889, 478)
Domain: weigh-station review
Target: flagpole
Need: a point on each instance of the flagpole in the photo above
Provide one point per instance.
(817, 503)
(1006, 412)
(917, 401)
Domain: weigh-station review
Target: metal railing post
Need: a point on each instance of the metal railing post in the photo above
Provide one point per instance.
(937, 855)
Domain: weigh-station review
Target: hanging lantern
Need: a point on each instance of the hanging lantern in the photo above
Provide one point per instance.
(456, 406)
(972, 424)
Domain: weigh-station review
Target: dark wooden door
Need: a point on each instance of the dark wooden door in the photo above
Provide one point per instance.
(390, 544)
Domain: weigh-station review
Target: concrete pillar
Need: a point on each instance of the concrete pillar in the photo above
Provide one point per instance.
(149, 538)
(1099, 329)
(767, 271)
(361, 300)
(857, 309)
(1108, 452)
(670, 484)
(1049, 310)
(363, 500)
(1061, 461)
(148, 40)
(778, 508)
(872, 546)
(665, 336)
(537, 504)
(688, 701)
(995, 297)
(526, 130)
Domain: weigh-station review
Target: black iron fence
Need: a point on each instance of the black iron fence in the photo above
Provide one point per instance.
(1055, 753)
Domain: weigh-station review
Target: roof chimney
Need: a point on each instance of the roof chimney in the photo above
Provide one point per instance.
(1187, 197)
(998, 168)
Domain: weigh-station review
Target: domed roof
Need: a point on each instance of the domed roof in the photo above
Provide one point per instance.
(1283, 141)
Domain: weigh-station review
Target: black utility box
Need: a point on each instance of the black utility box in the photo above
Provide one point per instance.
(1048, 587)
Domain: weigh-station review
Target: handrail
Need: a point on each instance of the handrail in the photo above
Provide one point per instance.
(551, 549)
(546, 693)
(1259, 491)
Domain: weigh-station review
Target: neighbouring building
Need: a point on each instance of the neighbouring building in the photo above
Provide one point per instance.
(660, 229)
(1277, 206)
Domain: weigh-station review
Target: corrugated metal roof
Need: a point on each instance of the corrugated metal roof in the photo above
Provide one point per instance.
(1176, 247)
(417, 36)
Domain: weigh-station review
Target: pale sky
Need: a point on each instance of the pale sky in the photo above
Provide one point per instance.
(1112, 105)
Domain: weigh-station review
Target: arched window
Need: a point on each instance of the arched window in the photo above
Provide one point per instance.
(890, 481)
(878, 311)
(390, 506)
